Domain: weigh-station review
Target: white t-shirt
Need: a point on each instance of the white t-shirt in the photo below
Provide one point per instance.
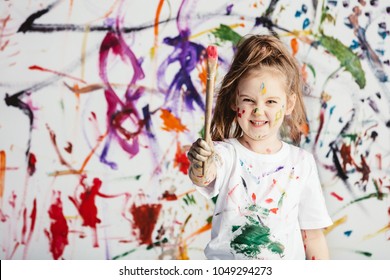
(264, 201)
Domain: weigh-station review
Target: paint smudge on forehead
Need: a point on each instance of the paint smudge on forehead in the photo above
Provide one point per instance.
(263, 89)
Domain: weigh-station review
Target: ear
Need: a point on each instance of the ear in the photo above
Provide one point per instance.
(291, 104)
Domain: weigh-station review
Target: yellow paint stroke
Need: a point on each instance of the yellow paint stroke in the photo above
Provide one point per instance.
(83, 48)
(215, 28)
(171, 123)
(278, 115)
(336, 223)
(263, 89)
(382, 230)
(2, 174)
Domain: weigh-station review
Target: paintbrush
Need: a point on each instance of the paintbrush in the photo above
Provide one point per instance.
(212, 59)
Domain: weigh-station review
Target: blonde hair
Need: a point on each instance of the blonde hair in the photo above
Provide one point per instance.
(257, 52)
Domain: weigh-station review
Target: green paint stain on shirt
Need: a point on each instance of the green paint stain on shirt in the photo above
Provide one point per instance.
(253, 238)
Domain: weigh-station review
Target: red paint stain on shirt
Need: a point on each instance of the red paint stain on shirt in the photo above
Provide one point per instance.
(337, 196)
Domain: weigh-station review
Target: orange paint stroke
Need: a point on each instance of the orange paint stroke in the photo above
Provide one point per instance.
(202, 74)
(171, 123)
(36, 67)
(85, 162)
(76, 89)
(336, 223)
(204, 228)
(382, 230)
(2, 174)
(294, 46)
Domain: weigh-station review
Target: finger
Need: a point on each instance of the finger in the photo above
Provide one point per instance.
(203, 144)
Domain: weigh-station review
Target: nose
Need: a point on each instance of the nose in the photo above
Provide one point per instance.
(258, 111)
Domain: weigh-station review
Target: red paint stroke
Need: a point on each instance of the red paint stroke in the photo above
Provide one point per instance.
(86, 205)
(322, 113)
(254, 198)
(31, 168)
(171, 123)
(269, 200)
(36, 67)
(274, 210)
(58, 235)
(145, 217)
(345, 152)
(69, 148)
(169, 196)
(379, 157)
(364, 169)
(337, 196)
(181, 160)
(33, 216)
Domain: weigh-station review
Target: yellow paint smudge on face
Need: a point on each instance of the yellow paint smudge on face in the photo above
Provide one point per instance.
(263, 90)
(278, 115)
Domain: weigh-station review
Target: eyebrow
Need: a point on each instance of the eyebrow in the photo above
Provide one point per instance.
(268, 97)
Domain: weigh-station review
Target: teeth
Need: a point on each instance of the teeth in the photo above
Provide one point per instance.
(258, 123)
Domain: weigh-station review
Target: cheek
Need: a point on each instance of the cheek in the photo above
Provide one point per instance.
(241, 111)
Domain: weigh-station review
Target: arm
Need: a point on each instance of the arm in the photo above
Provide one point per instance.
(201, 153)
(315, 244)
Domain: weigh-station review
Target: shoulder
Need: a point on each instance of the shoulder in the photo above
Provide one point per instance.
(302, 155)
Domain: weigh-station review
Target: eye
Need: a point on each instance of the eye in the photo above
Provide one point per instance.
(247, 100)
(271, 101)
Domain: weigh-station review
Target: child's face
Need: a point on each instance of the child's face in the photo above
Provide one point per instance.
(261, 104)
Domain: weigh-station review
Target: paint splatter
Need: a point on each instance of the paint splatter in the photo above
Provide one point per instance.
(145, 217)
(171, 123)
(181, 160)
(58, 234)
(253, 237)
(339, 198)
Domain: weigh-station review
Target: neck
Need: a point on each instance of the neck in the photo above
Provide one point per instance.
(263, 146)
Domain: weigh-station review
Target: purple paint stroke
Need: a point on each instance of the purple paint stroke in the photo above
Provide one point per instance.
(188, 55)
(119, 111)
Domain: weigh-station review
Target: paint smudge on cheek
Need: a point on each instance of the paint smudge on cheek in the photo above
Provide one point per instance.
(145, 218)
(240, 113)
(278, 116)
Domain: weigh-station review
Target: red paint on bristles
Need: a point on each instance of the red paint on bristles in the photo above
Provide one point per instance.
(212, 52)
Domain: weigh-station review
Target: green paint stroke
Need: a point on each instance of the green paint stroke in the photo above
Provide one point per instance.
(346, 57)
(367, 254)
(253, 238)
(225, 33)
(124, 254)
(189, 199)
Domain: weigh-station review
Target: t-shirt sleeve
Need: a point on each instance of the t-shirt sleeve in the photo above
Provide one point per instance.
(223, 158)
(313, 213)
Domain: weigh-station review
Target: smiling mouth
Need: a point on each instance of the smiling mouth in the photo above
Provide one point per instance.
(258, 123)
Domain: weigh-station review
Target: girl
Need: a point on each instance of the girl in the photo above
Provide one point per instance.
(270, 203)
